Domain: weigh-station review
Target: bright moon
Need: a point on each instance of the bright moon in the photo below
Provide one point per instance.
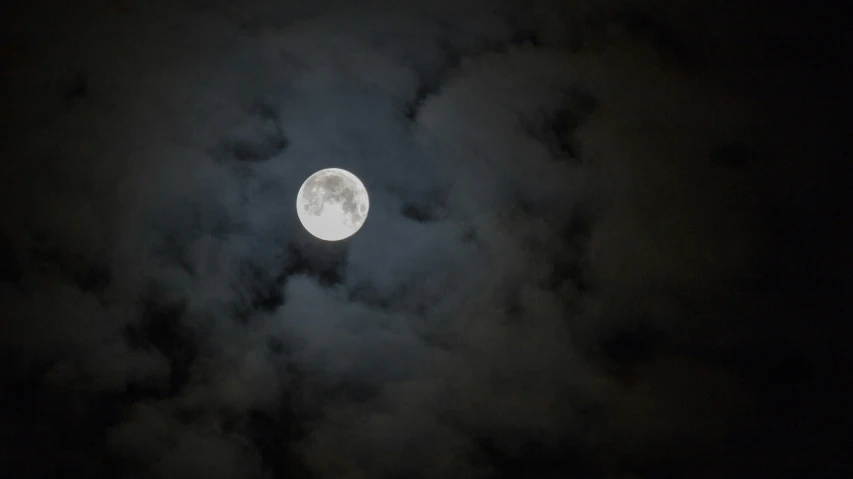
(332, 204)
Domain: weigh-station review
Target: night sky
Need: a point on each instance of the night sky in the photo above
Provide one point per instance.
(607, 240)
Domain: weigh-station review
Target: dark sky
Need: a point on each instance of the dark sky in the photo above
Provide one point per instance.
(607, 239)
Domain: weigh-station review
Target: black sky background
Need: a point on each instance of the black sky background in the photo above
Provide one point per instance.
(607, 239)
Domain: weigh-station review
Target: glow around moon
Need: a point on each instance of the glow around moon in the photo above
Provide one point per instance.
(332, 204)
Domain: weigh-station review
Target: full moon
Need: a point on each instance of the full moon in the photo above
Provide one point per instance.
(332, 204)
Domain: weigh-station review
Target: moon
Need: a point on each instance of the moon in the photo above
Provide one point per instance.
(332, 204)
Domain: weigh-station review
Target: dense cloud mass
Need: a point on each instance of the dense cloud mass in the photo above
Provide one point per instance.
(598, 246)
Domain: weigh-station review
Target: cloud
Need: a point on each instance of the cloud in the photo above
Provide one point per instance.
(157, 445)
(557, 277)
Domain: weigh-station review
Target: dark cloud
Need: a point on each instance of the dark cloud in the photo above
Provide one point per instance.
(598, 243)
